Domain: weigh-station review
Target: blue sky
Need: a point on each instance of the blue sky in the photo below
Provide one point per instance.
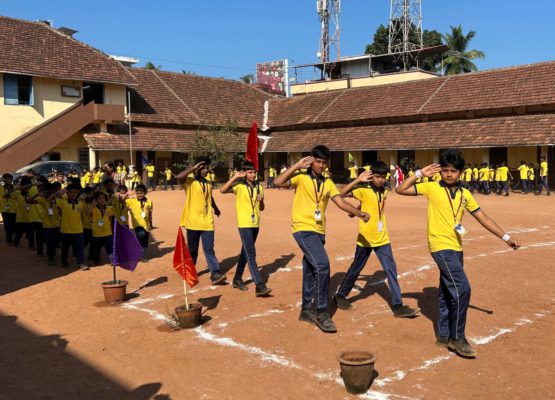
(227, 38)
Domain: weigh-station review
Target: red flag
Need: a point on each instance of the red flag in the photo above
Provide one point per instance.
(252, 145)
(183, 262)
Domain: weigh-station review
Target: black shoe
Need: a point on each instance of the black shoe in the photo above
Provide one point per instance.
(239, 284)
(402, 311)
(262, 290)
(307, 315)
(217, 278)
(442, 341)
(342, 303)
(324, 322)
(462, 348)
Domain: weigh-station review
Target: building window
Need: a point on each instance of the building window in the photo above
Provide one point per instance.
(83, 157)
(18, 90)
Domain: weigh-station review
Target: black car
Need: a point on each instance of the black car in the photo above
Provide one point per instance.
(45, 168)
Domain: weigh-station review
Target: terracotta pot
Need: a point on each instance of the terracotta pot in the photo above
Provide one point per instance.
(114, 292)
(189, 318)
(357, 367)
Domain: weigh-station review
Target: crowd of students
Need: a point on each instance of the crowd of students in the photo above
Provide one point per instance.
(72, 212)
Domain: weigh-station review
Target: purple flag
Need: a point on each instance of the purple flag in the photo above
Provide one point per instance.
(127, 250)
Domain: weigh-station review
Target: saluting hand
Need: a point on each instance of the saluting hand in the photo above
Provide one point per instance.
(365, 176)
(431, 170)
(240, 174)
(304, 162)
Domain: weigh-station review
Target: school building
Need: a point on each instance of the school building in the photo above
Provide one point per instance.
(62, 99)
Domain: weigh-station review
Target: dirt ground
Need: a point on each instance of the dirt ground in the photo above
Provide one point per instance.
(59, 341)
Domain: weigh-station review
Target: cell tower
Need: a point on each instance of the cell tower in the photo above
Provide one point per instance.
(329, 13)
(405, 29)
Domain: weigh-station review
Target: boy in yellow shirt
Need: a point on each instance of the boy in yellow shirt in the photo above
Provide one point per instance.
(23, 213)
(543, 177)
(523, 175)
(7, 207)
(308, 223)
(140, 210)
(50, 221)
(271, 176)
(504, 175)
(353, 171)
(101, 217)
(121, 211)
(483, 176)
(467, 178)
(198, 215)
(368, 188)
(249, 202)
(447, 201)
(151, 179)
(168, 176)
(531, 178)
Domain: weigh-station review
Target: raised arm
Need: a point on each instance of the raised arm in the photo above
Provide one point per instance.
(363, 177)
(407, 187)
(283, 179)
(227, 188)
(495, 229)
(184, 174)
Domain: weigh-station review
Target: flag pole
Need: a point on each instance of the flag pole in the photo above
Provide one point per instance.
(114, 252)
(185, 292)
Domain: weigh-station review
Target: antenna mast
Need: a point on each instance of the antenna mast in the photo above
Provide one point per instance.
(405, 29)
(329, 13)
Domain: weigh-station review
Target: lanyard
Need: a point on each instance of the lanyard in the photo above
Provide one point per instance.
(317, 194)
(447, 191)
(381, 204)
(102, 212)
(251, 191)
(142, 203)
(205, 192)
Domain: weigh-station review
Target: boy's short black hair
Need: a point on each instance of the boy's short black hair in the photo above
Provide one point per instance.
(109, 181)
(88, 190)
(379, 168)
(54, 186)
(522, 162)
(140, 188)
(452, 157)
(203, 159)
(7, 176)
(247, 165)
(25, 180)
(122, 188)
(322, 152)
(98, 194)
(73, 186)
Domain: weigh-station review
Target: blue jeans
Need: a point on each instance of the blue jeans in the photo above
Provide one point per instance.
(24, 228)
(385, 256)
(76, 241)
(8, 219)
(248, 254)
(207, 238)
(454, 293)
(142, 236)
(99, 242)
(316, 269)
(51, 237)
(543, 183)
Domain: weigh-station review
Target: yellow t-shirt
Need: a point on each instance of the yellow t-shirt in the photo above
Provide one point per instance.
(374, 232)
(87, 220)
(85, 179)
(247, 205)
(436, 177)
(326, 173)
(523, 169)
(36, 210)
(136, 176)
(197, 212)
(444, 215)
(467, 175)
(475, 173)
(101, 222)
(121, 211)
(497, 175)
(168, 173)
(353, 172)
(23, 209)
(3, 200)
(543, 168)
(309, 197)
(9, 205)
(491, 174)
(503, 173)
(97, 177)
(118, 169)
(150, 170)
(410, 173)
(484, 174)
(531, 174)
(140, 212)
(272, 172)
(72, 216)
(50, 213)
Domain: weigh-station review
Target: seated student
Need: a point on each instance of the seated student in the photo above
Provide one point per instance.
(72, 214)
(141, 209)
(308, 222)
(483, 176)
(447, 202)
(101, 217)
(531, 178)
(543, 177)
(197, 216)
(7, 207)
(249, 203)
(369, 189)
(523, 175)
(121, 211)
(504, 175)
(51, 221)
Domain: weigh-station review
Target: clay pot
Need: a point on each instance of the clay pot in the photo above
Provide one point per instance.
(114, 292)
(189, 318)
(357, 367)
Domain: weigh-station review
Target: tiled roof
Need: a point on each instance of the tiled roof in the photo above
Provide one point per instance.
(150, 139)
(174, 98)
(34, 48)
(526, 85)
(481, 132)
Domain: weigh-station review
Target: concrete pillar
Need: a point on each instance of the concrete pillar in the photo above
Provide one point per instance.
(92, 158)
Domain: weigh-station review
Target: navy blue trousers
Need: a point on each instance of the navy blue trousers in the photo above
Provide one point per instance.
(248, 255)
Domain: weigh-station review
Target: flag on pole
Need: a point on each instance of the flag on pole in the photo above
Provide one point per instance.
(252, 145)
(127, 250)
(351, 158)
(183, 262)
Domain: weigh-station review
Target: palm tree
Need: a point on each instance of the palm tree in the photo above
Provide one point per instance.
(457, 60)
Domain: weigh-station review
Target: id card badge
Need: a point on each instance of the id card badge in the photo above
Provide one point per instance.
(100, 222)
(318, 215)
(460, 230)
(27, 207)
(50, 211)
(253, 218)
(143, 214)
(122, 218)
(380, 226)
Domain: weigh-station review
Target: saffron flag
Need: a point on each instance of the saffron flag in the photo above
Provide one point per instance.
(252, 145)
(127, 250)
(183, 262)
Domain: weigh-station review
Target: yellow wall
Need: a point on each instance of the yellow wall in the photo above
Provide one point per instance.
(388, 156)
(68, 148)
(425, 157)
(476, 156)
(516, 154)
(319, 86)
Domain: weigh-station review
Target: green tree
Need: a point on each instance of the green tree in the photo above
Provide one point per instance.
(150, 65)
(249, 79)
(218, 142)
(458, 59)
(381, 40)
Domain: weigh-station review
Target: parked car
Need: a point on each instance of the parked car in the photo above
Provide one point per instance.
(46, 167)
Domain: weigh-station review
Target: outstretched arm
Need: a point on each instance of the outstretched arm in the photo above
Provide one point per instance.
(227, 188)
(492, 226)
(184, 174)
(283, 179)
(407, 187)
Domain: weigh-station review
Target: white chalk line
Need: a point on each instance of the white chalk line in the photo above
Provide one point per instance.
(224, 325)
